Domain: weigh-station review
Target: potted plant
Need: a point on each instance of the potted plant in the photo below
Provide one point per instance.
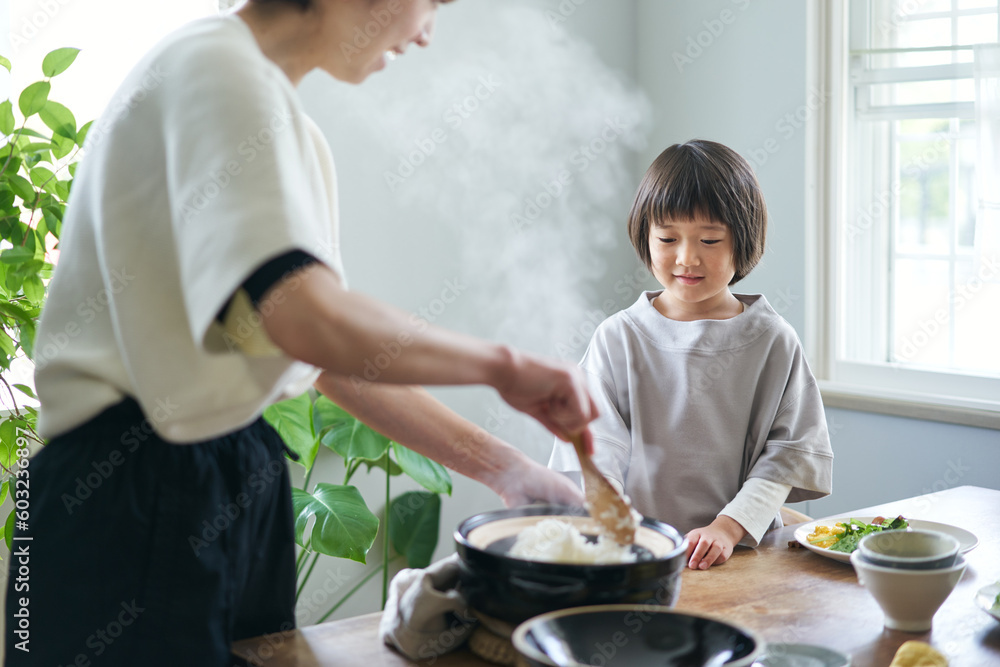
(342, 525)
(38, 158)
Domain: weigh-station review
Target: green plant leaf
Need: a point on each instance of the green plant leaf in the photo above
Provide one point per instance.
(7, 117)
(291, 419)
(33, 289)
(385, 463)
(8, 531)
(81, 136)
(26, 332)
(56, 62)
(7, 345)
(15, 311)
(8, 436)
(12, 168)
(59, 119)
(414, 521)
(344, 527)
(4, 490)
(12, 280)
(33, 98)
(53, 223)
(7, 203)
(326, 413)
(355, 441)
(37, 151)
(429, 474)
(4, 63)
(22, 188)
(63, 146)
(17, 255)
(26, 390)
(43, 177)
(27, 133)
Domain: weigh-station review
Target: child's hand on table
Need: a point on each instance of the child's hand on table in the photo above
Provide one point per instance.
(714, 543)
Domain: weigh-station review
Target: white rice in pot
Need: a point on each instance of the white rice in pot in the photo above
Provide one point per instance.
(557, 541)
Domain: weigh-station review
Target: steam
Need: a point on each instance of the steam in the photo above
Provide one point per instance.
(518, 139)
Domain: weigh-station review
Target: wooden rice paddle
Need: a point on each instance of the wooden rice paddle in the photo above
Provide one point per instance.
(604, 503)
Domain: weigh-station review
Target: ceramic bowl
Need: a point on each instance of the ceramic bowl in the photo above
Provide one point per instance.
(633, 636)
(780, 654)
(909, 549)
(513, 589)
(909, 598)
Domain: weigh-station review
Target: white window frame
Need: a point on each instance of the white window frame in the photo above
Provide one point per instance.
(872, 387)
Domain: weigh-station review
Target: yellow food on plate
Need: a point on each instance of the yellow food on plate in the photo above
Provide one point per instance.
(918, 654)
(825, 536)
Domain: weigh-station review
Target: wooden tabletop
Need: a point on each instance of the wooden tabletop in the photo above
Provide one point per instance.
(784, 594)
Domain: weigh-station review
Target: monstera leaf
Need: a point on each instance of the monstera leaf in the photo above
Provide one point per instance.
(292, 420)
(344, 527)
(414, 519)
(429, 474)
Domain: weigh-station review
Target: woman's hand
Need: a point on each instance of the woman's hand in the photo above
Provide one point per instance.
(714, 543)
(530, 482)
(552, 392)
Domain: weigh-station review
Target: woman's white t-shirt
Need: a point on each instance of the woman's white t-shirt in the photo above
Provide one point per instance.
(203, 168)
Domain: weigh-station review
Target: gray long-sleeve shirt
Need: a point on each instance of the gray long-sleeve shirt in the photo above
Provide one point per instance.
(691, 410)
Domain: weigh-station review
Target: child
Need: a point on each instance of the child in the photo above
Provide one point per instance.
(709, 419)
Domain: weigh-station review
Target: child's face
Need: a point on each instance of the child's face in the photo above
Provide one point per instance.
(693, 260)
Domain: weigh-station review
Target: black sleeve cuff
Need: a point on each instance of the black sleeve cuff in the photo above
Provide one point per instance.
(269, 274)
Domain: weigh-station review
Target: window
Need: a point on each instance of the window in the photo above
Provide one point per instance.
(112, 35)
(907, 168)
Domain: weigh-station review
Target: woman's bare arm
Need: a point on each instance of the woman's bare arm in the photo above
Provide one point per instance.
(412, 417)
(311, 317)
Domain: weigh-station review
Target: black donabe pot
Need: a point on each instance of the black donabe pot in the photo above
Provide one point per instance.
(514, 589)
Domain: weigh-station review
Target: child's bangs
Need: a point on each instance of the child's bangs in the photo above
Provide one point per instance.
(686, 193)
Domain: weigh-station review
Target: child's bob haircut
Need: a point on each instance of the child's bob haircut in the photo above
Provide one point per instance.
(702, 179)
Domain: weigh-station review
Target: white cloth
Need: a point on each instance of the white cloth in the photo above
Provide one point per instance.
(203, 167)
(425, 614)
(691, 410)
(755, 507)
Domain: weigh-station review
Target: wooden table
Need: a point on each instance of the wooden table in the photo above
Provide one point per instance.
(784, 594)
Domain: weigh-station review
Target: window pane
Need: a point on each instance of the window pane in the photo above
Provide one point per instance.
(920, 312)
(926, 32)
(927, 5)
(976, 4)
(923, 92)
(977, 29)
(975, 304)
(966, 197)
(923, 176)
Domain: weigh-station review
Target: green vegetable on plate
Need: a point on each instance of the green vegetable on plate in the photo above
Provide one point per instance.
(854, 530)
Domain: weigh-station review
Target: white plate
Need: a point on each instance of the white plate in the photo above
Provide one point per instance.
(986, 599)
(966, 540)
(789, 655)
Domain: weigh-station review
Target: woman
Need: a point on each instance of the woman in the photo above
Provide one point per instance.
(199, 281)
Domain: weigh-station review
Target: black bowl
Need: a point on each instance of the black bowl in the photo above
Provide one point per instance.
(633, 636)
(513, 589)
